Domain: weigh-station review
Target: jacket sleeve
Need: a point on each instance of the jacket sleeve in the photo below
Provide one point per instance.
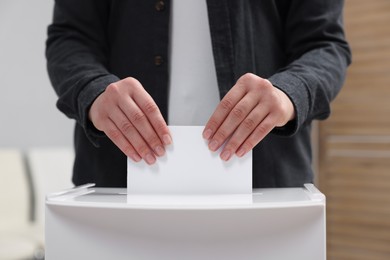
(76, 52)
(318, 56)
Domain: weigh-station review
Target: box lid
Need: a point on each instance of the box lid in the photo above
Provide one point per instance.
(90, 196)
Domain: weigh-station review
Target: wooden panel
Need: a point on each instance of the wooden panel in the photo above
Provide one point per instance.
(354, 157)
(358, 205)
(362, 108)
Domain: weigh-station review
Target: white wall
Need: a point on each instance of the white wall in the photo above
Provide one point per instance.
(28, 115)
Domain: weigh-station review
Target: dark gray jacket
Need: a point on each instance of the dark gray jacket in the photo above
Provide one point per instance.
(298, 45)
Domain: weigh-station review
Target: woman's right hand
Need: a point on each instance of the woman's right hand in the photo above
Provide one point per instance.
(128, 115)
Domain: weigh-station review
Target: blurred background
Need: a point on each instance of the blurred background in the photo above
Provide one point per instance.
(36, 152)
(354, 144)
(352, 148)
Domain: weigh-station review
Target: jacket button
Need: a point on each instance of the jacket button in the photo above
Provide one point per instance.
(160, 6)
(158, 60)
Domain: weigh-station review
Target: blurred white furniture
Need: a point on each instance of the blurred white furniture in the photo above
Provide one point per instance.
(51, 170)
(104, 223)
(17, 233)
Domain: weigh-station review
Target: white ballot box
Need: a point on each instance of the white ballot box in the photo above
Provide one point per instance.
(107, 223)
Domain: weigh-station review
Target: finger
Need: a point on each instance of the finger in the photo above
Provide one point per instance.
(132, 135)
(247, 126)
(257, 135)
(137, 118)
(232, 121)
(152, 112)
(222, 111)
(120, 141)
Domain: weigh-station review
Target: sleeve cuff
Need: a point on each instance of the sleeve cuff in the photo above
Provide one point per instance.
(86, 97)
(298, 93)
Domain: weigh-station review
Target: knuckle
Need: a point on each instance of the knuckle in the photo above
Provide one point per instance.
(269, 124)
(114, 134)
(133, 86)
(128, 149)
(153, 141)
(251, 82)
(267, 83)
(249, 124)
(212, 124)
(248, 145)
(138, 116)
(263, 129)
(264, 82)
(126, 127)
(150, 107)
(161, 127)
(221, 135)
(232, 145)
(143, 150)
(132, 81)
(238, 112)
(248, 76)
(112, 89)
(263, 85)
(274, 96)
(227, 103)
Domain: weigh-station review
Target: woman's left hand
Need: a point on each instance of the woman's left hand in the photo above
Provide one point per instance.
(248, 112)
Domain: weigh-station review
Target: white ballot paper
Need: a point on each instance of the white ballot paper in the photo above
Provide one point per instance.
(189, 167)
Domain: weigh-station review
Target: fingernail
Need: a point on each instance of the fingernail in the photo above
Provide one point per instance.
(225, 155)
(207, 134)
(149, 159)
(167, 140)
(159, 150)
(240, 152)
(136, 157)
(213, 145)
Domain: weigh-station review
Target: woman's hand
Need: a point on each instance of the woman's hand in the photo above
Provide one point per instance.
(248, 112)
(128, 115)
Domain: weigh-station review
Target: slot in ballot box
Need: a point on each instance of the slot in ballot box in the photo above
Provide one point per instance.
(107, 223)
